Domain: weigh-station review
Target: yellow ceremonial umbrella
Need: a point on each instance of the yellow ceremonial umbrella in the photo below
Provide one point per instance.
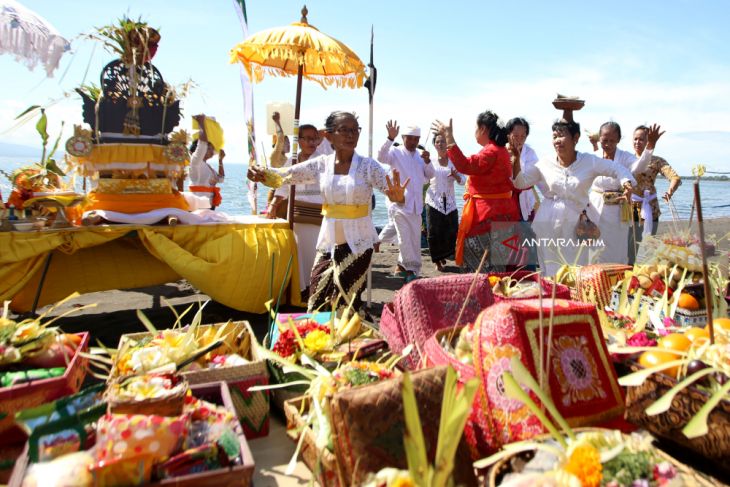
(303, 51)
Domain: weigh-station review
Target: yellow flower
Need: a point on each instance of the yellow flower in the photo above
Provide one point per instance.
(402, 482)
(585, 463)
(317, 341)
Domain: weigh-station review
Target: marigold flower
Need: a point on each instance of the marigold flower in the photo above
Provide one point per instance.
(585, 463)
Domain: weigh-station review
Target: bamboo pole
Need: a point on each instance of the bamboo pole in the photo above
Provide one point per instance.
(708, 291)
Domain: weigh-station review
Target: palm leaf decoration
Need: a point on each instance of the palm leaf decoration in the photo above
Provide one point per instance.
(455, 409)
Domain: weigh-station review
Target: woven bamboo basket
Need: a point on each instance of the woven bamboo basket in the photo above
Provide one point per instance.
(496, 474)
(252, 408)
(169, 405)
(715, 445)
(368, 423)
(322, 463)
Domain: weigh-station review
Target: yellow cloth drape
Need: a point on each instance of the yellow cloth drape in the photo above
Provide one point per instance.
(134, 203)
(102, 154)
(346, 212)
(231, 263)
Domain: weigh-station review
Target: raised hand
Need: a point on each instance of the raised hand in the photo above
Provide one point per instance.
(628, 189)
(514, 152)
(396, 192)
(446, 131)
(256, 174)
(392, 128)
(426, 156)
(593, 138)
(276, 117)
(655, 132)
(455, 174)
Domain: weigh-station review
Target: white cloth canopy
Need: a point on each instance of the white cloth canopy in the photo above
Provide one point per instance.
(30, 37)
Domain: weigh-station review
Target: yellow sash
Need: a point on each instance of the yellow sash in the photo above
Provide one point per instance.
(345, 212)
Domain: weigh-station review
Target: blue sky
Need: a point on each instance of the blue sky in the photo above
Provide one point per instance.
(633, 62)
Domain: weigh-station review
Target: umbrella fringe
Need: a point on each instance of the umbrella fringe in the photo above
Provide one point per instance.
(349, 73)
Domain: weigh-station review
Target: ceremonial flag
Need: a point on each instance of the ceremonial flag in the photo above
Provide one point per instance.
(240, 6)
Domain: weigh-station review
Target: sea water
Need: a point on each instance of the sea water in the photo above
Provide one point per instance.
(235, 194)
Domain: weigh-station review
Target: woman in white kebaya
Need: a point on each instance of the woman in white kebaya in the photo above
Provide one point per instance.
(442, 217)
(568, 178)
(609, 208)
(346, 181)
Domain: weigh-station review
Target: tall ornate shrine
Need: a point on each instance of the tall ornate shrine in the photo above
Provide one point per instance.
(131, 154)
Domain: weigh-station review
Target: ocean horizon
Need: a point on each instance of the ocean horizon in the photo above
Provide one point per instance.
(235, 194)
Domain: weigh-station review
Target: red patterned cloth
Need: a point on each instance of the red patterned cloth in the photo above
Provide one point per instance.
(578, 375)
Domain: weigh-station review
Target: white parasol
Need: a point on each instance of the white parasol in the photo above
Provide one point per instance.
(30, 37)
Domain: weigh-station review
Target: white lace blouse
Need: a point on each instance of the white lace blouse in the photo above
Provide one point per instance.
(354, 188)
(440, 194)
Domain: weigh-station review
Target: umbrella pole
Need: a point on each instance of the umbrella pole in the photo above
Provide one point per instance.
(371, 90)
(370, 154)
(295, 146)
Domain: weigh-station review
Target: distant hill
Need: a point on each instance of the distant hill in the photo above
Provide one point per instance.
(16, 150)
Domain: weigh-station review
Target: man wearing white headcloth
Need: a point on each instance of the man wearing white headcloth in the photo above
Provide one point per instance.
(407, 216)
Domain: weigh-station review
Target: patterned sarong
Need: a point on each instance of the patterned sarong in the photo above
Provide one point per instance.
(351, 271)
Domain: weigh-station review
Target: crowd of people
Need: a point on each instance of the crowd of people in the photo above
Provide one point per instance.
(578, 207)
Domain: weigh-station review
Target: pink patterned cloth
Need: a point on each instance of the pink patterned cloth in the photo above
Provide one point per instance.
(426, 305)
(578, 375)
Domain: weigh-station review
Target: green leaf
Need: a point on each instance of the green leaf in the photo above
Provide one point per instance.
(146, 322)
(523, 376)
(413, 441)
(28, 110)
(455, 410)
(514, 391)
(51, 166)
(665, 402)
(42, 125)
(53, 151)
(697, 426)
(637, 378)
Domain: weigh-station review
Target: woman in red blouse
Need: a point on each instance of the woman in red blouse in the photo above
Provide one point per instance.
(488, 195)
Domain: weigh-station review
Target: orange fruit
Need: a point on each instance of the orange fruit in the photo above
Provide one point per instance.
(653, 358)
(675, 341)
(723, 323)
(687, 301)
(693, 333)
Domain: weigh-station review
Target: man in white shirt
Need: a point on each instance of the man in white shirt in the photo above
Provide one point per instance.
(407, 216)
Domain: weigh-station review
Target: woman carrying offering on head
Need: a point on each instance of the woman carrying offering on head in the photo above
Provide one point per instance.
(203, 178)
(346, 181)
(645, 200)
(488, 196)
(568, 179)
(441, 213)
(610, 208)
